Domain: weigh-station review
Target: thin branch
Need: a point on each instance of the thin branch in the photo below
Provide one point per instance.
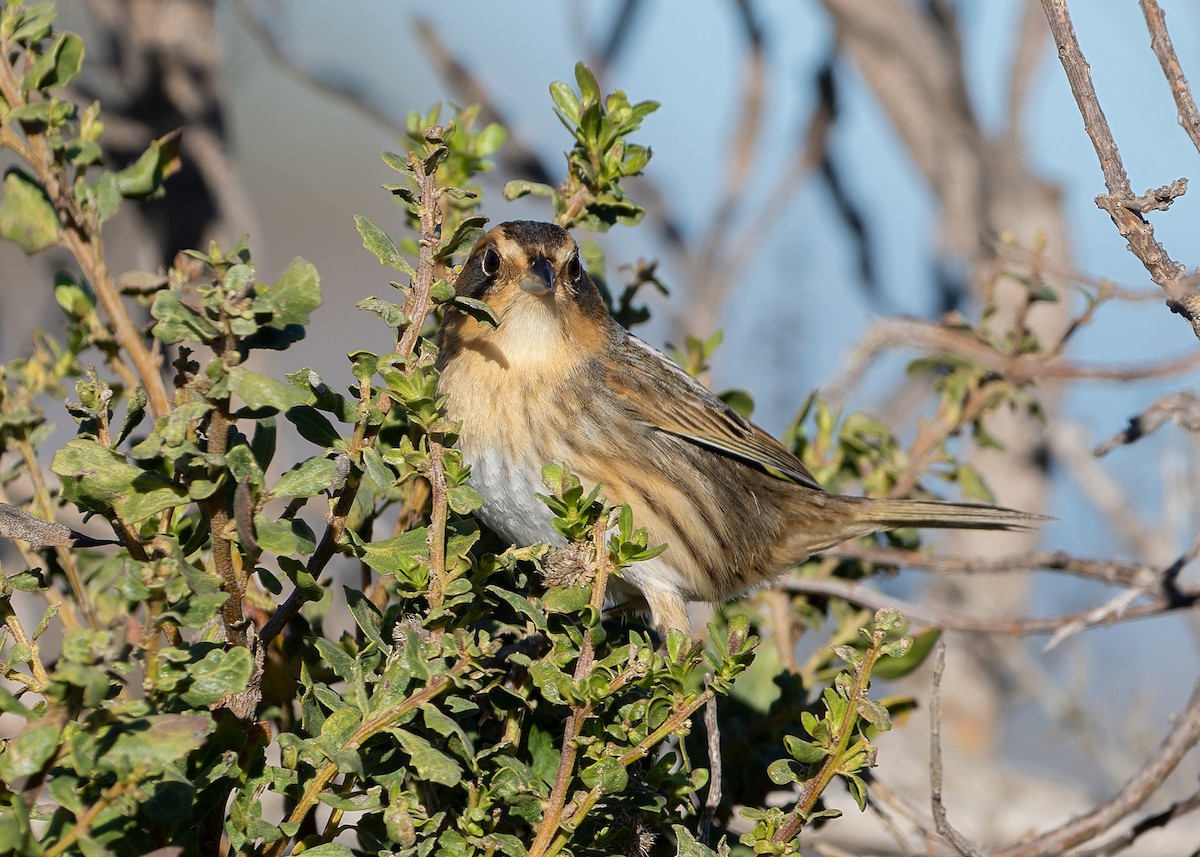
(1181, 408)
(1120, 203)
(873, 599)
(1083, 828)
(959, 842)
(1119, 605)
(1160, 42)
(1151, 822)
(713, 800)
(1116, 571)
(930, 336)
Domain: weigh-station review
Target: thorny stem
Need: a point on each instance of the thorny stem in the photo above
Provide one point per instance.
(814, 786)
(548, 840)
(81, 235)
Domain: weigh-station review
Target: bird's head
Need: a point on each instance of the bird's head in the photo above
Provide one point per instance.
(531, 275)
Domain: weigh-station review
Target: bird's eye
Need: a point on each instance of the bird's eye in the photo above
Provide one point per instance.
(491, 261)
(574, 269)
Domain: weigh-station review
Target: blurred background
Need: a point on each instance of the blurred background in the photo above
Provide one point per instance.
(819, 165)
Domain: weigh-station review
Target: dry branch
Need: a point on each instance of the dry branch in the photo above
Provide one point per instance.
(1181, 408)
(1122, 206)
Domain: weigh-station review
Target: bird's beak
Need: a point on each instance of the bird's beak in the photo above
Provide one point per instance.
(539, 278)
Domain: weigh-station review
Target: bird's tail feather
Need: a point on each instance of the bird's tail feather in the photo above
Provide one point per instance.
(892, 514)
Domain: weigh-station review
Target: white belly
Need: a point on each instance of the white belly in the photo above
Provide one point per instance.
(511, 506)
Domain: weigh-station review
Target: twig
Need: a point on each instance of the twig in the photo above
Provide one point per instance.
(1151, 822)
(1083, 828)
(1120, 203)
(1160, 42)
(548, 837)
(872, 599)
(1118, 606)
(81, 235)
(959, 842)
(361, 735)
(931, 336)
(417, 306)
(1181, 408)
(1117, 571)
(713, 800)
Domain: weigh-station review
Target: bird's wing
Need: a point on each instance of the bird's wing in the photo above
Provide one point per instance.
(664, 397)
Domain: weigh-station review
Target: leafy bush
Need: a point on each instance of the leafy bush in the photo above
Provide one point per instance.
(189, 681)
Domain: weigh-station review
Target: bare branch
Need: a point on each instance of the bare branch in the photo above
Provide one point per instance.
(959, 842)
(1151, 822)
(1120, 203)
(1118, 606)
(1116, 571)
(1182, 738)
(873, 599)
(930, 336)
(1160, 41)
(1181, 408)
(713, 800)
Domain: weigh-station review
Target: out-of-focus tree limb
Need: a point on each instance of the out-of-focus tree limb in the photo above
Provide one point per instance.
(1182, 738)
(1181, 408)
(929, 336)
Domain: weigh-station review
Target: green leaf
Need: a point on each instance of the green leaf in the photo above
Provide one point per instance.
(313, 426)
(98, 478)
(803, 751)
(286, 538)
(566, 599)
(608, 774)
(327, 849)
(150, 743)
(135, 412)
(177, 321)
(432, 764)
(302, 578)
(145, 176)
(464, 499)
(898, 667)
(518, 188)
(366, 616)
(27, 217)
(396, 555)
(306, 479)
(26, 754)
(781, 772)
(262, 392)
(566, 100)
(392, 315)
(589, 88)
(335, 657)
(382, 246)
(295, 295)
(57, 66)
(478, 310)
(687, 845)
(219, 674)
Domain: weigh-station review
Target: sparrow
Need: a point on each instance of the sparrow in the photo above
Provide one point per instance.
(559, 381)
